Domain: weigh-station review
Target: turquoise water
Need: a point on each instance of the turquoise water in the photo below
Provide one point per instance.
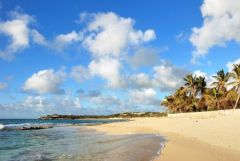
(74, 143)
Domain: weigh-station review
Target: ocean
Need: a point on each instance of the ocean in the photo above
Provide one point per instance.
(70, 140)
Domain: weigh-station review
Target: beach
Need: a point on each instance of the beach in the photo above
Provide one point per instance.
(208, 136)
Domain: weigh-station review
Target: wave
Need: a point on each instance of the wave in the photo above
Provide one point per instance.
(1, 126)
(37, 126)
(26, 126)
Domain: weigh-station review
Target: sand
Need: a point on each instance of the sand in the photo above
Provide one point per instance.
(204, 136)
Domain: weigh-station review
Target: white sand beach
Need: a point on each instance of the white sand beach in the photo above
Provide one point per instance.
(208, 136)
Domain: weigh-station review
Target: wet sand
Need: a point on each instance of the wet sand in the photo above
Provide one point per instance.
(208, 136)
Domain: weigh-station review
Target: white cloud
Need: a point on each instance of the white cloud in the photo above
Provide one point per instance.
(63, 40)
(40, 105)
(37, 102)
(182, 36)
(107, 37)
(72, 36)
(141, 80)
(144, 57)
(145, 96)
(105, 68)
(20, 33)
(95, 97)
(164, 77)
(3, 85)
(221, 24)
(80, 73)
(110, 34)
(45, 81)
(108, 69)
(105, 101)
(38, 38)
(18, 30)
(168, 77)
(230, 64)
(149, 35)
(199, 73)
(68, 102)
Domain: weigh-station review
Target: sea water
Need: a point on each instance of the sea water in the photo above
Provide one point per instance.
(69, 140)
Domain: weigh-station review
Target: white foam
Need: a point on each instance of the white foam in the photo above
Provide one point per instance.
(24, 126)
(1, 126)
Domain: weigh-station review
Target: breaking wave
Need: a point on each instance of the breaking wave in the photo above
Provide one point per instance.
(26, 126)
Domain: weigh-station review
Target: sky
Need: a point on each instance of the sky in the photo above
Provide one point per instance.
(104, 57)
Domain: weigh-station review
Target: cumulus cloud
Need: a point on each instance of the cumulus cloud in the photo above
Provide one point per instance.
(140, 80)
(80, 73)
(37, 102)
(168, 77)
(18, 30)
(164, 77)
(145, 96)
(107, 37)
(61, 41)
(38, 38)
(108, 69)
(199, 73)
(106, 101)
(45, 81)
(3, 85)
(144, 57)
(21, 33)
(99, 99)
(231, 63)
(37, 105)
(105, 68)
(68, 102)
(109, 34)
(221, 24)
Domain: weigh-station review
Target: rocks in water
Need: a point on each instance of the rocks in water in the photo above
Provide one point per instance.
(36, 127)
(26, 126)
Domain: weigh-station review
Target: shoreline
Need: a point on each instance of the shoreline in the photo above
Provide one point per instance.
(197, 136)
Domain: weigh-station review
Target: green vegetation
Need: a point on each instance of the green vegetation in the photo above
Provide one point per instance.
(119, 115)
(196, 96)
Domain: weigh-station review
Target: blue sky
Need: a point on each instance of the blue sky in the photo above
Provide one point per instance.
(102, 57)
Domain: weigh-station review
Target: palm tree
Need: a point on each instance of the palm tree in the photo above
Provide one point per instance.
(191, 84)
(208, 100)
(235, 74)
(221, 80)
(167, 101)
(201, 84)
(177, 101)
(195, 96)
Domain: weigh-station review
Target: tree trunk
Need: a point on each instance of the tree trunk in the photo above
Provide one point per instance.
(238, 92)
(236, 102)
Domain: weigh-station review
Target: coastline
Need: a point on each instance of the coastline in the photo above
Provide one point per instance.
(198, 136)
